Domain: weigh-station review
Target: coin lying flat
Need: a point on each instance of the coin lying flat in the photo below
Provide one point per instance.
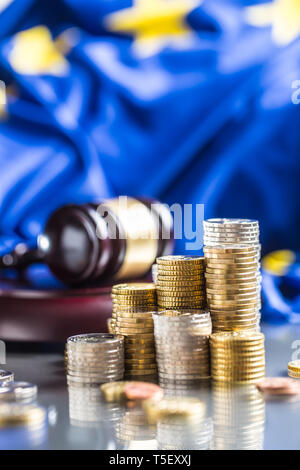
(94, 358)
(143, 391)
(278, 386)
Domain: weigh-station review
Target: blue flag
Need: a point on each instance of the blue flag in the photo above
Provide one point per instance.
(188, 101)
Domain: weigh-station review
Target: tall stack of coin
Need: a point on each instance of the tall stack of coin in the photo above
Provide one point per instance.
(94, 358)
(239, 417)
(133, 305)
(182, 345)
(232, 254)
(237, 357)
(180, 282)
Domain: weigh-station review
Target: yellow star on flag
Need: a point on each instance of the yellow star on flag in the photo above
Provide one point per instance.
(35, 53)
(154, 24)
(282, 15)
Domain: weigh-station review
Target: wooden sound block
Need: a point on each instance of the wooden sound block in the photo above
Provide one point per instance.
(38, 308)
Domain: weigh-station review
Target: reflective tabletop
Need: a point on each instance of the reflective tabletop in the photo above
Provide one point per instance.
(236, 417)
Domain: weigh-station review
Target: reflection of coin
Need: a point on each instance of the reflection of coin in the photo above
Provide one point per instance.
(6, 376)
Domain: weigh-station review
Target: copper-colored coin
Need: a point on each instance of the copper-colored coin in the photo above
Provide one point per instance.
(279, 386)
(143, 391)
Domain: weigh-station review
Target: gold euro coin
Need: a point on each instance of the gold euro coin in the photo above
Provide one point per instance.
(180, 260)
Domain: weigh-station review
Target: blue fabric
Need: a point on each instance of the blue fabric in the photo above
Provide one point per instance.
(210, 122)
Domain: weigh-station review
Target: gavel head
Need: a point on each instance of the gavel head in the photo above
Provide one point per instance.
(117, 239)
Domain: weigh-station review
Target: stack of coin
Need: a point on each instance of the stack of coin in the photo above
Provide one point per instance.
(239, 417)
(237, 357)
(232, 232)
(94, 358)
(133, 305)
(88, 409)
(182, 345)
(180, 282)
(233, 287)
(294, 369)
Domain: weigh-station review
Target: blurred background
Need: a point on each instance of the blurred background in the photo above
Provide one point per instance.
(186, 101)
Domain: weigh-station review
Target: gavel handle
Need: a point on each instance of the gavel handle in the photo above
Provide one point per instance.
(21, 257)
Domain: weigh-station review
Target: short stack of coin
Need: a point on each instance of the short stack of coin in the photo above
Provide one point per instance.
(94, 358)
(294, 369)
(233, 287)
(232, 232)
(237, 357)
(239, 417)
(182, 345)
(133, 305)
(180, 282)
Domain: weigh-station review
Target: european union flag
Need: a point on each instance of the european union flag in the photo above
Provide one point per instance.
(187, 101)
